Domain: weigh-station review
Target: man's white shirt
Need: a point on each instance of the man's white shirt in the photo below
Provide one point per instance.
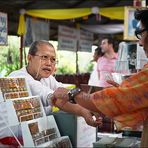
(42, 88)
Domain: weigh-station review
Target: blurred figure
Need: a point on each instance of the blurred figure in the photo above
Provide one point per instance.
(127, 103)
(94, 79)
(106, 63)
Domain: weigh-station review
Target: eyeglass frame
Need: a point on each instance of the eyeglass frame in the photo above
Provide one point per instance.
(47, 58)
(139, 32)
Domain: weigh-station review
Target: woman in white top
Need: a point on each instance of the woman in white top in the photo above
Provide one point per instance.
(94, 78)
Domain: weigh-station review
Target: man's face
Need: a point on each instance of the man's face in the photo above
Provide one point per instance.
(144, 40)
(105, 46)
(43, 62)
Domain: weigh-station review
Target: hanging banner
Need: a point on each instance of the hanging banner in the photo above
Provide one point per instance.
(3, 28)
(85, 41)
(67, 38)
(37, 29)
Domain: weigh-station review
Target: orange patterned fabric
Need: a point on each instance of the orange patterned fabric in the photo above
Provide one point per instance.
(128, 103)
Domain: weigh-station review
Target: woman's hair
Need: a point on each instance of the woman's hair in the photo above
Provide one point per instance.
(98, 51)
(142, 15)
(34, 46)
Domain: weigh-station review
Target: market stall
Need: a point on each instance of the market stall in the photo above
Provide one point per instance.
(22, 114)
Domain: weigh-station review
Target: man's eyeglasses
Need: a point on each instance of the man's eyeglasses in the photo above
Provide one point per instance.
(47, 58)
(139, 32)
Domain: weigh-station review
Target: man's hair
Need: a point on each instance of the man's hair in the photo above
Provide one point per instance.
(110, 41)
(34, 46)
(142, 15)
(99, 51)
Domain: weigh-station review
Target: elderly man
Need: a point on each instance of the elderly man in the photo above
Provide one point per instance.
(38, 73)
(127, 104)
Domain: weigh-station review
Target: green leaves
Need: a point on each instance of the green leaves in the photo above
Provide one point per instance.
(9, 56)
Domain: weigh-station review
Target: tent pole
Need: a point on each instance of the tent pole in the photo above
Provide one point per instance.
(77, 65)
(21, 51)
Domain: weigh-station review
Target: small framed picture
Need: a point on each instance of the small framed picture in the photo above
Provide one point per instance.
(130, 24)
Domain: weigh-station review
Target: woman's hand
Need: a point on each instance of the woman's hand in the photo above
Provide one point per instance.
(112, 83)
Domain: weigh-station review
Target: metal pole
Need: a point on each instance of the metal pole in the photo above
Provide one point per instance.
(21, 51)
(77, 65)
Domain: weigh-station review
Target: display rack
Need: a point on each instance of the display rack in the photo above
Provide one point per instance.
(43, 132)
(23, 109)
(11, 88)
(25, 112)
(131, 57)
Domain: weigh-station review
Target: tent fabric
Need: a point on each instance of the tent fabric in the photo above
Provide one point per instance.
(59, 14)
(21, 26)
(104, 29)
(62, 14)
(113, 12)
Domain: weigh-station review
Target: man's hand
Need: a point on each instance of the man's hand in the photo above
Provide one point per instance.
(88, 116)
(60, 97)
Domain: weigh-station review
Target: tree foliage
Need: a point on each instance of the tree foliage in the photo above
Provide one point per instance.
(9, 59)
(9, 56)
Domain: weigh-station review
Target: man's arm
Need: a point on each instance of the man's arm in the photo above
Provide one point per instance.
(61, 98)
(79, 111)
(115, 101)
